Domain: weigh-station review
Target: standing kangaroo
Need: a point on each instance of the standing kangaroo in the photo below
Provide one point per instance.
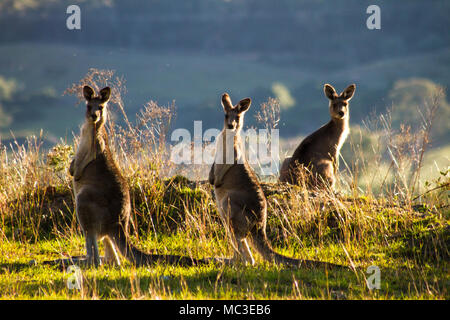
(101, 193)
(319, 152)
(239, 196)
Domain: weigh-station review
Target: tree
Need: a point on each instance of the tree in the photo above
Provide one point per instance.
(412, 97)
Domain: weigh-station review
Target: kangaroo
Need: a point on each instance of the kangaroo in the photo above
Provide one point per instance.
(240, 199)
(102, 196)
(319, 152)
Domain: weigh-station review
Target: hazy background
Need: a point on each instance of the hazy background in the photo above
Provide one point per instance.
(193, 51)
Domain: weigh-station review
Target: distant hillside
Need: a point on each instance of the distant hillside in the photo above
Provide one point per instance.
(192, 51)
(315, 29)
(195, 82)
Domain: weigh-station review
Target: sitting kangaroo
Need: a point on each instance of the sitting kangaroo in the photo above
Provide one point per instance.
(239, 196)
(101, 193)
(319, 152)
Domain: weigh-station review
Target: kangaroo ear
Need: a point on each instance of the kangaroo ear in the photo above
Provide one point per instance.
(105, 94)
(347, 94)
(226, 102)
(244, 104)
(329, 91)
(88, 93)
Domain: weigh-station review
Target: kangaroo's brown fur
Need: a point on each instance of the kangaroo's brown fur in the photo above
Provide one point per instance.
(319, 152)
(239, 196)
(101, 193)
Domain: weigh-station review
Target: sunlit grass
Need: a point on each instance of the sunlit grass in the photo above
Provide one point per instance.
(400, 278)
(405, 234)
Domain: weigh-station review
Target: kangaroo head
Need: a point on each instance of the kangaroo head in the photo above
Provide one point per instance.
(234, 115)
(96, 105)
(339, 103)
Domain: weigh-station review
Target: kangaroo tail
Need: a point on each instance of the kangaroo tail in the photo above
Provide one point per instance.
(261, 244)
(138, 257)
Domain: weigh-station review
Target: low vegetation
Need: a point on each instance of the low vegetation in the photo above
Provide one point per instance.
(397, 220)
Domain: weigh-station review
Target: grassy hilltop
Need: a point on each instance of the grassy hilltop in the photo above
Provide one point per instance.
(402, 228)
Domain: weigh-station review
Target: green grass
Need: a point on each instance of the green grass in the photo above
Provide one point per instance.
(409, 246)
(400, 278)
(404, 233)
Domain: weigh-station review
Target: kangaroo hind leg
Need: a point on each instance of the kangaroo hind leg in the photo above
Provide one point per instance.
(245, 252)
(93, 256)
(111, 254)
